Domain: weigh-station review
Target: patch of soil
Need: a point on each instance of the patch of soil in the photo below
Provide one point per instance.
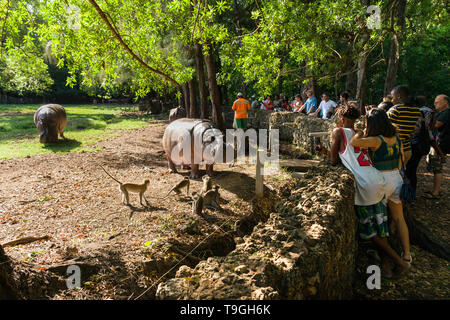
(69, 198)
(429, 220)
(428, 278)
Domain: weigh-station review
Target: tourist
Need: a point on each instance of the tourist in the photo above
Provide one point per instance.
(385, 105)
(310, 105)
(297, 104)
(326, 107)
(268, 103)
(434, 159)
(404, 115)
(255, 103)
(343, 98)
(241, 107)
(422, 139)
(388, 98)
(369, 188)
(276, 101)
(385, 149)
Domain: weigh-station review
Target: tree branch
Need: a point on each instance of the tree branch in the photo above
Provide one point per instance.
(126, 47)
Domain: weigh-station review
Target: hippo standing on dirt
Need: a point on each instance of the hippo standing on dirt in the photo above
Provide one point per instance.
(50, 120)
(177, 113)
(193, 142)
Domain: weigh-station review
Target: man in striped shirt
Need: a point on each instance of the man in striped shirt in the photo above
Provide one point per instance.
(404, 116)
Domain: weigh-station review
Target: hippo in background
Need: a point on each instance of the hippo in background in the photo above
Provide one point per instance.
(177, 113)
(50, 120)
(201, 137)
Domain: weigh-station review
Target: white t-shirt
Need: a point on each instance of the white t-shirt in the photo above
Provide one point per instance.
(369, 182)
(327, 107)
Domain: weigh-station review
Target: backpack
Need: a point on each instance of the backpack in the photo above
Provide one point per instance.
(421, 137)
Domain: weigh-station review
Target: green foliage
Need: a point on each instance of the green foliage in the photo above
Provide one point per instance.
(22, 67)
(287, 40)
(24, 73)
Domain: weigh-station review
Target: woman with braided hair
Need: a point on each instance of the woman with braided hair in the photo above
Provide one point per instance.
(369, 188)
(386, 151)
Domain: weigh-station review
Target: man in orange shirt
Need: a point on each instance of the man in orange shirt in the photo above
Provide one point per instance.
(241, 107)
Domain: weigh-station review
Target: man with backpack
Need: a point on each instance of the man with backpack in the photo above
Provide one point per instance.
(422, 139)
(435, 159)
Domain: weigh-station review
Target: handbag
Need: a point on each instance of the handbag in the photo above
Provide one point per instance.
(407, 192)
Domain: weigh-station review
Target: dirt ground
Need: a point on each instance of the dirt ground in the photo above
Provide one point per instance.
(70, 199)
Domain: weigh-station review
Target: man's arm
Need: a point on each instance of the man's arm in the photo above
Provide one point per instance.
(438, 124)
(318, 110)
(336, 138)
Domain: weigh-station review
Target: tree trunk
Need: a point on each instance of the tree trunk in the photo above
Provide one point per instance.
(186, 99)
(225, 95)
(396, 43)
(310, 84)
(361, 86)
(361, 75)
(214, 90)
(350, 79)
(192, 99)
(204, 106)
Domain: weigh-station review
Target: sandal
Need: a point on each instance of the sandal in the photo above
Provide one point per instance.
(408, 261)
(429, 195)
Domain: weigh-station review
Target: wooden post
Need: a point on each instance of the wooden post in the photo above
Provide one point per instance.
(259, 189)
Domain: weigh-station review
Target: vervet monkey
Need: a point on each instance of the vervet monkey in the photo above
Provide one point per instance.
(126, 188)
(216, 189)
(197, 203)
(210, 199)
(207, 184)
(179, 186)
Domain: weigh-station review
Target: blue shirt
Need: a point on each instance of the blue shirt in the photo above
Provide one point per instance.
(311, 103)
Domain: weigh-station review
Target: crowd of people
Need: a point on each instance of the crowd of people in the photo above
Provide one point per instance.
(383, 158)
(325, 110)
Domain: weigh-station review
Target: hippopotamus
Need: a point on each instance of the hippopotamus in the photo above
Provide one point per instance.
(177, 113)
(50, 120)
(193, 142)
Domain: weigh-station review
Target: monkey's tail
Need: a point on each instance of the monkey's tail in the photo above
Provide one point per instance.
(162, 198)
(110, 175)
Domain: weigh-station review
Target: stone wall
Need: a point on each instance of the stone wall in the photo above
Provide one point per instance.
(305, 250)
(305, 125)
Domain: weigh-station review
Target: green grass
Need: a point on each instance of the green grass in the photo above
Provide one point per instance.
(86, 125)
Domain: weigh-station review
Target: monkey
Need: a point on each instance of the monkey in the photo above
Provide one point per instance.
(216, 189)
(210, 199)
(197, 203)
(126, 188)
(179, 186)
(207, 184)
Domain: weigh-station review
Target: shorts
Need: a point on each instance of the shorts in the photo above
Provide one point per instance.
(393, 185)
(373, 220)
(434, 164)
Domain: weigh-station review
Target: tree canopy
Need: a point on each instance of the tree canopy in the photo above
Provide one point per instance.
(260, 46)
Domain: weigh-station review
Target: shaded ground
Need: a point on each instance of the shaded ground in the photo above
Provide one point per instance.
(69, 198)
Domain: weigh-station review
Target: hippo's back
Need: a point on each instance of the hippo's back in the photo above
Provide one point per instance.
(50, 111)
(181, 127)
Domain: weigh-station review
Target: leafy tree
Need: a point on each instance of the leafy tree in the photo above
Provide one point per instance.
(22, 67)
